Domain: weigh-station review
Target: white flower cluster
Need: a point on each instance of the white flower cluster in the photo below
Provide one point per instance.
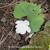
(22, 26)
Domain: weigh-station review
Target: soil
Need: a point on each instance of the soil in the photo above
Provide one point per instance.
(9, 40)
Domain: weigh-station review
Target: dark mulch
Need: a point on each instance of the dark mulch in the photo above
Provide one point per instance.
(9, 40)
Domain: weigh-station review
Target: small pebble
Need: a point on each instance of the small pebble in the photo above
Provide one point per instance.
(3, 19)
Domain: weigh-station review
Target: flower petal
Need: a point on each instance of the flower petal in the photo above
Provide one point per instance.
(26, 22)
(18, 22)
(28, 29)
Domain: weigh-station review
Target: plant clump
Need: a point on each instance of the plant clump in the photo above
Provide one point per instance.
(33, 13)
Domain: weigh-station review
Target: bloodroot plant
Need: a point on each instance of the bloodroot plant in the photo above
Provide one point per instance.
(34, 15)
(22, 26)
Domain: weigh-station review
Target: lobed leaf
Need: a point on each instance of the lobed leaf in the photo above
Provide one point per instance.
(33, 13)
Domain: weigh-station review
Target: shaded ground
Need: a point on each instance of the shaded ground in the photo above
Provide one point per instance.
(9, 40)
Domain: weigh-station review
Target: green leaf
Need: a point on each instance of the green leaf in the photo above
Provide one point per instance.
(20, 10)
(33, 13)
(35, 23)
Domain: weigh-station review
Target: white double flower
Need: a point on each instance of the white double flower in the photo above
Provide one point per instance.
(22, 26)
